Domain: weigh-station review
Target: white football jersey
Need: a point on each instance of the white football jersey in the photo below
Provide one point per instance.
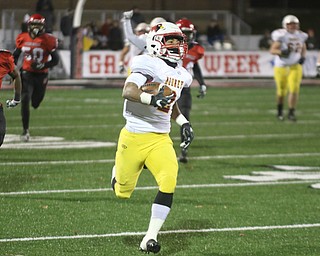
(142, 118)
(139, 42)
(134, 50)
(293, 41)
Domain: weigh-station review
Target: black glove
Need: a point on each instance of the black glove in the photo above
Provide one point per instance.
(202, 91)
(301, 61)
(121, 69)
(285, 53)
(37, 65)
(159, 100)
(187, 133)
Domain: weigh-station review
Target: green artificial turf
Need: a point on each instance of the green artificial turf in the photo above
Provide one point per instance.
(61, 203)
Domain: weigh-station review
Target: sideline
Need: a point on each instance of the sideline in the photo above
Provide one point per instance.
(221, 185)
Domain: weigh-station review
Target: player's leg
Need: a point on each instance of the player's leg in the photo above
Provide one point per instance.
(162, 162)
(2, 125)
(41, 81)
(280, 77)
(128, 165)
(185, 104)
(294, 81)
(26, 92)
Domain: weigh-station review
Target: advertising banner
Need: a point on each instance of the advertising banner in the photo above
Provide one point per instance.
(214, 64)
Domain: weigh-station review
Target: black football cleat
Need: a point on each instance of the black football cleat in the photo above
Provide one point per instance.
(151, 246)
(25, 136)
(292, 117)
(280, 117)
(183, 157)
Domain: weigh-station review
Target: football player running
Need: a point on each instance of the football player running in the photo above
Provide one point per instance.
(190, 62)
(36, 46)
(145, 138)
(7, 67)
(289, 49)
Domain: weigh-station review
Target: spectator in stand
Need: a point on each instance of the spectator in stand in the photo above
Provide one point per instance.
(66, 28)
(104, 33)
(45, 8)
(115, 41)
(265, 41)
(91, 36)
(215, 34)
(312, 41)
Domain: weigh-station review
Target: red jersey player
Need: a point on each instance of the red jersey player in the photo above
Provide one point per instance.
(190, 62)
(36, 46)
(7, 67)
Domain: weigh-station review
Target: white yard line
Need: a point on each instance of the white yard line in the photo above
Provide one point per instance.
(179, 231)
(191, 158)
(301, 122)
(93, 190)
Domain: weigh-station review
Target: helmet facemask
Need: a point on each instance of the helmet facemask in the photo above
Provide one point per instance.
(36, 25)
(189, 34)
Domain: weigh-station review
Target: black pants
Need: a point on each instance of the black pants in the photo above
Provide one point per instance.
(2, 125)
(33, 89)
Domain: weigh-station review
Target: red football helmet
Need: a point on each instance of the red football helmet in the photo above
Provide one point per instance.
(187, 28)
(36, 25)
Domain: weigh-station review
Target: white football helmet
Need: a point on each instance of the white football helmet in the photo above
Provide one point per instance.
(142, 27)
(289, 19)
(156, 21)
(157, 42)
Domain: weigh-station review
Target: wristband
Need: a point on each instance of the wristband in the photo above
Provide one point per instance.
(181, 120)
(145, 98)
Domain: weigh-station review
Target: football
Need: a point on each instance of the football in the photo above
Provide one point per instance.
(153, 88)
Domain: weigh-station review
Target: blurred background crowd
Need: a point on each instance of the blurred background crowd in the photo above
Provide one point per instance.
(231, 25)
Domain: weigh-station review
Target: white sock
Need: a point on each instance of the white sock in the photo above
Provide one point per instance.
(159, 214)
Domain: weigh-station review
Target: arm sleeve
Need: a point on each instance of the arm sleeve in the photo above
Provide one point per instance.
(128, 33)
(197, 73)
(16, 53)
(54, 60)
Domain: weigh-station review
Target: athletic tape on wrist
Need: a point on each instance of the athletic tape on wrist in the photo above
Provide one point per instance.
(181, 120)
(145, 98)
